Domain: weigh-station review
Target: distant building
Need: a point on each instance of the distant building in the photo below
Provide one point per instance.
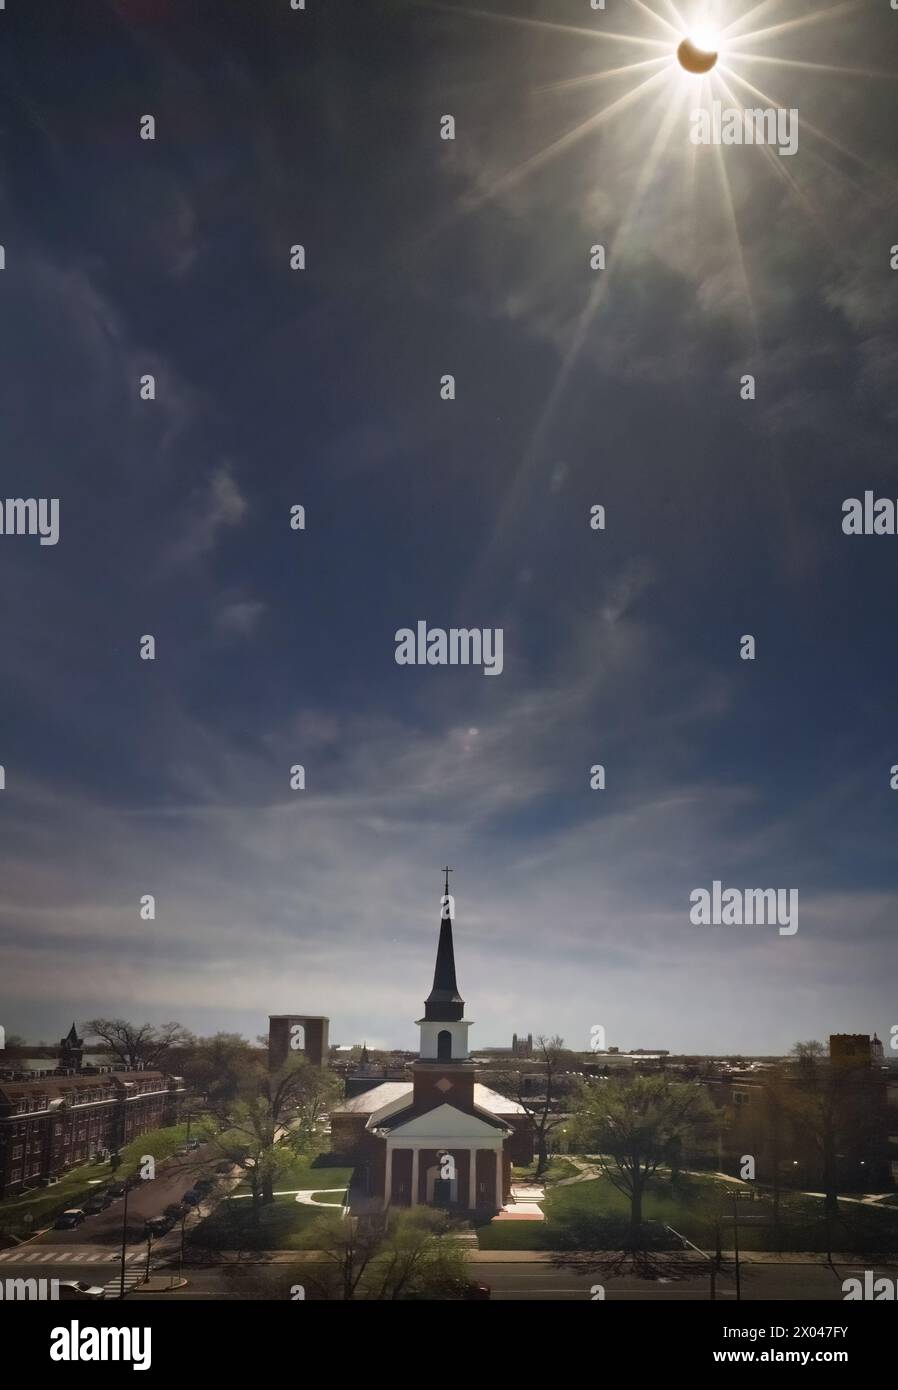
(297, 1035)
(71, 1051)
(851, 1049)
(54, 1122)
(522, 1047)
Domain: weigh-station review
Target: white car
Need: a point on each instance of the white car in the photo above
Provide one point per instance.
(76, 1288)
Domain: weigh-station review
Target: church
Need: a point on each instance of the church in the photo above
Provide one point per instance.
(441, 1139)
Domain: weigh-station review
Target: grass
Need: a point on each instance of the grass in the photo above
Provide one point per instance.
(43, 1204)
(300, 1174)
(283, 1225)
(558, 1168)
(576, 1214)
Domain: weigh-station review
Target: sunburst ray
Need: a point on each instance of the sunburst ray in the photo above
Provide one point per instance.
(776, 164)
(814, 130)
(811, 67)
(544, 156)
(575, 31)
(788, 24)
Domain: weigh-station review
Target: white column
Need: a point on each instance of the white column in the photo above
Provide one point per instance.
(388, 1184)
(414, 1200)
(499, 1194)
(472, 1177)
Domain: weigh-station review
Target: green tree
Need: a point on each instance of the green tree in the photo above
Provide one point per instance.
(216, 1067)
(272, 1118)
(634, 1124)
(409, 1254)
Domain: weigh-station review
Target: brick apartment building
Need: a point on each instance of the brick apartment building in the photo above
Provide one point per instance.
(55, 1121)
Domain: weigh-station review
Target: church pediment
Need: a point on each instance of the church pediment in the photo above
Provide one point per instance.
(446, 1122)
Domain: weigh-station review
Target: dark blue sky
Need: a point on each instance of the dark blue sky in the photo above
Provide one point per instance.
(574, 387)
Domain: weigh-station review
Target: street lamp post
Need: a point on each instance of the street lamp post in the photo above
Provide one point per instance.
(712, 1264)
(124, 1235)
(149, 1249)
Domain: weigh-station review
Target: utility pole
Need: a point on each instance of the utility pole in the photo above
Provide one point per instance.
(736, 1246)
(146, 1279)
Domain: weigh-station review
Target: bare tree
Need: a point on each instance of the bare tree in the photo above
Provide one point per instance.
(541, 1109)
(138, 1045)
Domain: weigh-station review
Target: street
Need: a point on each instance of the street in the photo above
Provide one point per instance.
(524, 1276)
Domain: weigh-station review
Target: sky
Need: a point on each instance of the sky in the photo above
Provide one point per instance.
(574, 387)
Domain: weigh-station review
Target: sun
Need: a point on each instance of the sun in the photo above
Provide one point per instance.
(699, 50)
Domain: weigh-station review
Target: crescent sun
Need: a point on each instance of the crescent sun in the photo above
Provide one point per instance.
(695, 59)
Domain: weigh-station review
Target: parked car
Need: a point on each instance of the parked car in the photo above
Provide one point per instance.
(68, 1220)
(192, 1197)
(175, 1210)
(203, 1185)
(473, 1290)
(158, 1226)
(97, 1202)
(76, 1288)
(193, 1144)
(225, 1166)
(115, 1189)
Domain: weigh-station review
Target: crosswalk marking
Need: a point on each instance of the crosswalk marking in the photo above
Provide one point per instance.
(113, 1288)
(72, 1254)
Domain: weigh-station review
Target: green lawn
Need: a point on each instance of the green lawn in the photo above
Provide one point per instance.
(558, 1168)
(576, 1214)
(330, 1199)
(284, 1225)
(301, 1174)
(44, 1204)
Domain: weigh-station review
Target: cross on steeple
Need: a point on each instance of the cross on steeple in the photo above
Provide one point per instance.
(447, 871)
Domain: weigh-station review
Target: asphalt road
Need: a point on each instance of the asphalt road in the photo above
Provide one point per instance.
(535, 1280)
(149, 1198)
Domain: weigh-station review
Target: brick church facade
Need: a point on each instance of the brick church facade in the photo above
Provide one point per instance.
(441, 1139)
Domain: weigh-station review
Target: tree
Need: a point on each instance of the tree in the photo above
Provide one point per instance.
(634, 1124)
(405, 1255)
(777, 1091)
(831, 1106)
(138, 1045)
(271, 1118)
(543, 1115)
(808, 1052)
(217, 1066)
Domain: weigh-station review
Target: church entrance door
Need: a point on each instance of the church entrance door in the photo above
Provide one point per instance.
(442, 1192)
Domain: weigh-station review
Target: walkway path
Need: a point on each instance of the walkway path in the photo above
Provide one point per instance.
(305, 1195)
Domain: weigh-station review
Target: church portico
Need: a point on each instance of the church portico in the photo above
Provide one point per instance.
(474, 1175)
